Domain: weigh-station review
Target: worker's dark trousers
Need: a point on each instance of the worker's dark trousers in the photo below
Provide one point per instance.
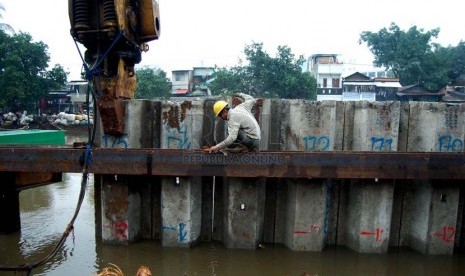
(245, 141)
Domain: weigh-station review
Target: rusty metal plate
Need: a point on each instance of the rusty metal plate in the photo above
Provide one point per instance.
(170, 162)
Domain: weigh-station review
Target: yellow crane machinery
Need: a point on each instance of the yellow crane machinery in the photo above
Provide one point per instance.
(114, 33)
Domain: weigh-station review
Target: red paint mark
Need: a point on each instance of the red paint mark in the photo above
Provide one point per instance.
(447, 234)
(312, 228)
(377, 234)
(121, 228)
(315, 227)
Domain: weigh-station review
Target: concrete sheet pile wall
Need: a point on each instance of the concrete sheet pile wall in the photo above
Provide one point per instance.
(181, 197)
(244, 208)
(307, 210)
(306, 214)
(429, 216)
(370, 126)
(436, 127)
(308, 126)
(121, 217)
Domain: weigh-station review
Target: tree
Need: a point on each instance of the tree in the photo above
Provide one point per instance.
(56, 77)
(4, 26)
(230, 81)
(266, 76)
(457, 56)
(411, 55)
(24, 78)
(152, 83)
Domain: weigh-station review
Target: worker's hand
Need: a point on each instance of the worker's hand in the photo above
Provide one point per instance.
(205, 149)
(213, 149)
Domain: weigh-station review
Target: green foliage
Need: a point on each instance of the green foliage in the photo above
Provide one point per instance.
(457, 58)
(230, 81)
(152, 83)
(4, 26)
(413, 58)
(266, 76)
(56, 77)
(23, 75)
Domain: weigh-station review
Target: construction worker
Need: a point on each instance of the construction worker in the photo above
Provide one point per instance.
(243, 128)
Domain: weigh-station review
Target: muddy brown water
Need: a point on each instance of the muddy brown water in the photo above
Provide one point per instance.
(46, 210)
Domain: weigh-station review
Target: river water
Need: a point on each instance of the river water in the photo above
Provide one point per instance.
(46, 210)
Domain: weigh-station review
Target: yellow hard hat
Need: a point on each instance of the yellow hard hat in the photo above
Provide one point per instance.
(218, 106)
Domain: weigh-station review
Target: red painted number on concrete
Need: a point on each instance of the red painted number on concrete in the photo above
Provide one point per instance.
(447, 234)
(377, 234)
(121, 228)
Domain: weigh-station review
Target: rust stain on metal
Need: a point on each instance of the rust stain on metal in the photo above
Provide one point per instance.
(115, 89)
(31, 178)
(171, 162)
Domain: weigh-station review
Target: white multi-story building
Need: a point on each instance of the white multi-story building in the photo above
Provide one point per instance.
(328, 74)
(331, 85)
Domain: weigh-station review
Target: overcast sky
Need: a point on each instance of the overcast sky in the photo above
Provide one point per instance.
(215, 32)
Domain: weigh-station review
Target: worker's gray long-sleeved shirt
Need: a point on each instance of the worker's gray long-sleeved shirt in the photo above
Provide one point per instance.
(241, 117)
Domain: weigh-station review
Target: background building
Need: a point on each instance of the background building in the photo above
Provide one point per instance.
(328, 74)
(193, 82)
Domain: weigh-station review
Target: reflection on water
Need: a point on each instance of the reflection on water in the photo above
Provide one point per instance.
(45, 212)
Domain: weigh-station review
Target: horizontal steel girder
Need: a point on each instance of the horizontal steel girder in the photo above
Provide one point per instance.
(170, 162)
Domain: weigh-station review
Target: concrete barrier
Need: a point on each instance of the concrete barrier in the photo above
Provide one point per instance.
(120, 215)
(428, 220)
(368, 216)
(181, 198)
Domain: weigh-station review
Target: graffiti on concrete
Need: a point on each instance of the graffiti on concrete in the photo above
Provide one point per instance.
(181, 229)
(177, 137)
(381, 144)
(447, 143)
(447, 234)
(175, 125)
(377, 234)
(115, 142)
(121, 229)
(313, 143)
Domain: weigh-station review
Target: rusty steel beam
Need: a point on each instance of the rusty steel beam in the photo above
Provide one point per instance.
(169, 162)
